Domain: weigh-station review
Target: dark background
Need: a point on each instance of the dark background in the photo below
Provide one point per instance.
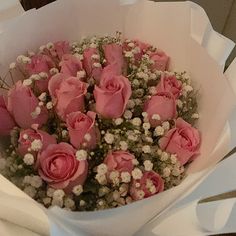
(28, 4)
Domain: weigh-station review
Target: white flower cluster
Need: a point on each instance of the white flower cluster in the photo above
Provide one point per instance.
(34, 180)
(28, 159)
(36, 145)
(81, 155)
(109, 138)
(58, 198)
(77, 190)
(101, 174)
(23, 59)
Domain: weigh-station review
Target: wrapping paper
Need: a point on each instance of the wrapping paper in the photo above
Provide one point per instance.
(172, 27)
(9, 9)
(191, 218)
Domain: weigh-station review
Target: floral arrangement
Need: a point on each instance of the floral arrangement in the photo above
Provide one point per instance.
(96, 124)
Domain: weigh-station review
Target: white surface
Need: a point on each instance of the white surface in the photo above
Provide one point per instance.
(10, 9)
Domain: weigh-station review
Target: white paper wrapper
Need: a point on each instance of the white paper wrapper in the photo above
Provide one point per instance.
(169, 26)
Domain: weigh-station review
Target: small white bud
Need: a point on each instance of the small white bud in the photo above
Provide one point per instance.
(50, 45)
(118, 121)
(53, 71)
(146, 149)
(25, 136)
(49, 105)
(137, 173)
(81, 155)
(37, 110)
(195, 116)
(27, 82)
(159, 131)
(109, 138)
(123, 145)
(95, 56)
(43, 75)
(166, 125)
(128, 114)
(136, 121)
(97, 65)
(36, 145)
(146, 126)
(64, 133)
(156, 117)
(28, 159)
(12, 66)
(148, 165)
(35, 77)
(42, 48)
(40, 104)
(129, 54)
(102, 169)
(87, 137)
(81, 74)
(42, 97)
(77, 190)
(131, 44)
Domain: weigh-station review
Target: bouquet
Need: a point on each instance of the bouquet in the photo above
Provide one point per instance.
(146, 75)
(98, 123)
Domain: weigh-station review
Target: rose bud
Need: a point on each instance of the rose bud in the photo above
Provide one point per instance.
(150, 184)
(67, 94)
(58, 166)
(28, 136)
(119, 161)
(61, 48)
(22, 103)
(160, 59)
(162, 104)
(91, 65)
(183, 140)
(170, 84)
(82, 129)
(70, 65)
(114, 55)
(7, 122)
(40, 63)
(112, 95)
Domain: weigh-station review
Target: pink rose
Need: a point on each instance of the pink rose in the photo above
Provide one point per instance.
(162, 104)
(21, 103)
(29, 135)
(79, 125)
(70, 65)
(119, 161)
(7, 123)
(184, 140)
(61, 48)
(114, 55)
(112, 95)
(150, 183)
(161, 60)
(67, 94)
(40, 63)
(88, 63)
(170, 84)
(58, 166)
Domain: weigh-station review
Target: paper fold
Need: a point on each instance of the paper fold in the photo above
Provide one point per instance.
(218, 46)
